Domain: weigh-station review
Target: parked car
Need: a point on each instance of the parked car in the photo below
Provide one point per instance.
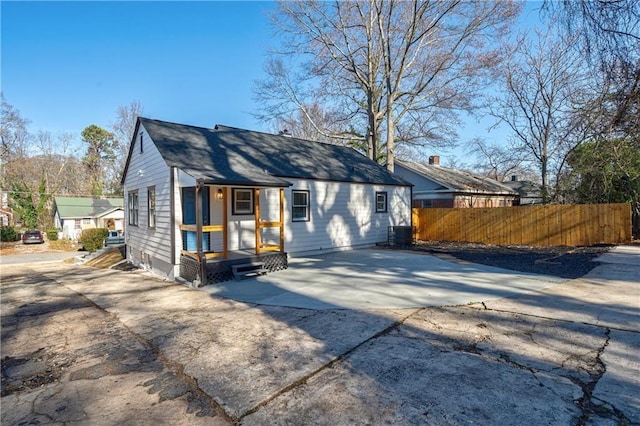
(32, 237)
(114, 238)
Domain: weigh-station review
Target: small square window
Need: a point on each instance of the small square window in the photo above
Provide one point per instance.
(300, 206)
(242, 201)
(381, 202)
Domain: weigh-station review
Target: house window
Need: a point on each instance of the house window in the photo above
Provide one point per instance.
(151, 206)
(300, 206)
(133, 208)
(242, 201)
(381, 202)
(141, 143)
(77, 224)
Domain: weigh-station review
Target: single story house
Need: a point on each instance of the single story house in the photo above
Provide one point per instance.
(73, 214)
(201, 201)
(530, 192)
(441, 187)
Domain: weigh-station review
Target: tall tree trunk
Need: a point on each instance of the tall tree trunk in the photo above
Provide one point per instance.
(372, 137)
(390, 136)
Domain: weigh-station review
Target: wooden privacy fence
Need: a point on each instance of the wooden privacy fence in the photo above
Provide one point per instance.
(550, 225)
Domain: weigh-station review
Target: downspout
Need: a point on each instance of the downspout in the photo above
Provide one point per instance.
(201, 257)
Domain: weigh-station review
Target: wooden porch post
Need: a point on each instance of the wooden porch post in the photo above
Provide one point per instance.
(281, 220)
(225, 225)
(256, 200)
(201, 257)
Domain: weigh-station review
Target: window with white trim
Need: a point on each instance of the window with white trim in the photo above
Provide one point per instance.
(381, 202)
(151, 207)
(133, 207)
(300, 206)
(242, 201)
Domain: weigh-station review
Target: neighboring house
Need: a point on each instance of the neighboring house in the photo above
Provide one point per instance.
(441, 187)
(197, 199)
(530, 192)
(73, 214)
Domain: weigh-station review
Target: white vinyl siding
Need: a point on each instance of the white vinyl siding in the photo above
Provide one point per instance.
(343, 216)
(147, 245)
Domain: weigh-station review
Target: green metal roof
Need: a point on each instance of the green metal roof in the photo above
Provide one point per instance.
(85, 207)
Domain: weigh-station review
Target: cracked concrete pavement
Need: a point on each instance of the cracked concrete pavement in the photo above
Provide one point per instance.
(90, 346)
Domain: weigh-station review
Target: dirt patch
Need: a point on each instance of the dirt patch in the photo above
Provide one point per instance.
(17, 247)
(33, 370)
(560, 261)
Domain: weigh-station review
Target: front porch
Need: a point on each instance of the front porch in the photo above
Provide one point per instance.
(213, 228)
(218, 271)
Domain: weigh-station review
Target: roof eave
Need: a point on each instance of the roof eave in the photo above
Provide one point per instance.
(468, 191)
(282, 184)
(126, 164)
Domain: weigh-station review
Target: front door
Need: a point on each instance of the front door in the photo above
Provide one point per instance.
(189, 218)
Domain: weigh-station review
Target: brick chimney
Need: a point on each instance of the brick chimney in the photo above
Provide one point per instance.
(434, 160)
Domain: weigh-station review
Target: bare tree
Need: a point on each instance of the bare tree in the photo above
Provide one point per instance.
(14, 133)
(497, 161)
(609, 38)
(122, 129)
(542, 86)
(63, 172)
(402, 68)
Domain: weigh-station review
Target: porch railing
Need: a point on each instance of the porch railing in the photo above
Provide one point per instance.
(205, 229)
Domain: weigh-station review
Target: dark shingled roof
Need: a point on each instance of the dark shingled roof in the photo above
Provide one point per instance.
(231, 156)
(458, 180)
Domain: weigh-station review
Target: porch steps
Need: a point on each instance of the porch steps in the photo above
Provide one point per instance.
(248, 270)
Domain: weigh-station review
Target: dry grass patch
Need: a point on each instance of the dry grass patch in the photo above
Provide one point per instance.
(107, 259)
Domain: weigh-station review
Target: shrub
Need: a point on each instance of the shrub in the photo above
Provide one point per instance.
(8, 233)
(52, 234)
(93, 239)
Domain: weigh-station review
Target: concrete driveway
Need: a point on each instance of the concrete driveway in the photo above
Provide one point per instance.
(29, 258)
(90, 346)
(380, 279)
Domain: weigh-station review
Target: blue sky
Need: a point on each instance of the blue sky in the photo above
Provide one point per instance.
(66, 65)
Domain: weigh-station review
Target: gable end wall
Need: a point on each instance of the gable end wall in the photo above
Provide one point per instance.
(149, 247)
